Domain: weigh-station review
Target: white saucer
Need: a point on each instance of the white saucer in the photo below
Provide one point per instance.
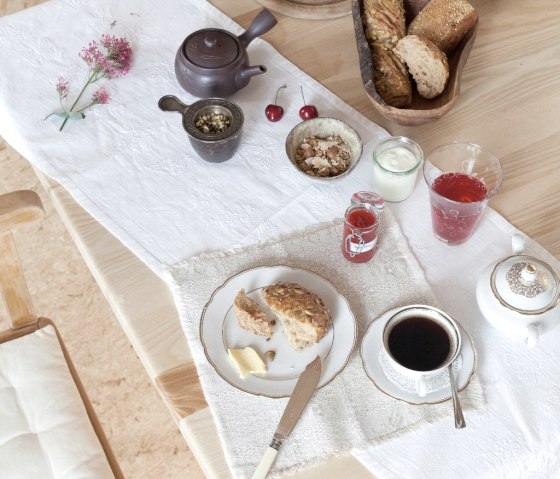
(372, 347)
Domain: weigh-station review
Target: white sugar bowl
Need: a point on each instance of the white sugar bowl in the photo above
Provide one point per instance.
(520, 295)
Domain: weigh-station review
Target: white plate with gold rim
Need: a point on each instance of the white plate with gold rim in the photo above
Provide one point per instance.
(371, 353)
(219, 331)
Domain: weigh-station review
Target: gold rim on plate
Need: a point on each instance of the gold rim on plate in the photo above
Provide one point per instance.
(340, 295)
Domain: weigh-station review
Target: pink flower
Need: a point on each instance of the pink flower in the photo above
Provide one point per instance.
(115, 62)
(119, 53)
(62, 87)
(93, 56)
(109, 58)
(100, 97)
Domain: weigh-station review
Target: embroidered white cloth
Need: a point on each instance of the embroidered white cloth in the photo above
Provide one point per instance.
(350, 411)
(517, 435)
(131, 165)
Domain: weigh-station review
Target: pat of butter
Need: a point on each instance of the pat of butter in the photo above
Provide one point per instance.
(247, 361)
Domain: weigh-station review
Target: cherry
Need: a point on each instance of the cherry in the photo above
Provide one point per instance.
(306, 112)
(273, 111)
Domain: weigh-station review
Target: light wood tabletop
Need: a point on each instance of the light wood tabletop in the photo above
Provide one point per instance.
(508, 104)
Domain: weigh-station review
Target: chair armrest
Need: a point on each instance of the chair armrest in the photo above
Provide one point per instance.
(19, 207)
(16, 208)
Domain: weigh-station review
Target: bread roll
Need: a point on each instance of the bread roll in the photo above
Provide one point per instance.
(390, 77)
(426, 63)
(251, 317)
(384, 21)
(444, 22)
(384, 26)
(304, 317)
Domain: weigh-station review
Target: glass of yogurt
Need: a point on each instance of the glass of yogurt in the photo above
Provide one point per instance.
(396, 161)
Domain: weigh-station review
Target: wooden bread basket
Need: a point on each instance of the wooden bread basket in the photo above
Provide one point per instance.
(421, 111)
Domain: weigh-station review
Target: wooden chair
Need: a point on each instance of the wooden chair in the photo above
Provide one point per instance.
(62, 425)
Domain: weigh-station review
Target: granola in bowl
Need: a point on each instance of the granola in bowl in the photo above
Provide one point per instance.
(329, 156)
(323, 149)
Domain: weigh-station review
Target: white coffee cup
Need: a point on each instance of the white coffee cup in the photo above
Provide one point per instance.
(421, 341)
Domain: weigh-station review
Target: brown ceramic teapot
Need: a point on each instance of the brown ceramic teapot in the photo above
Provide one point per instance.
(214, 63)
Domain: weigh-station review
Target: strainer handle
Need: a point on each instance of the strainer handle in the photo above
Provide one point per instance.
(172, 103)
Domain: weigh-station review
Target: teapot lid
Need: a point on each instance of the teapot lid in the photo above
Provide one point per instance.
(211, 48)
(525, 284)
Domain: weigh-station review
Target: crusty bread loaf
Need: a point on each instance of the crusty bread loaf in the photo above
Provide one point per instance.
(251, 316)
(384, 21)
(426, 63)
(390, 77)
(444, 22)
(304, 317)
(384, 26)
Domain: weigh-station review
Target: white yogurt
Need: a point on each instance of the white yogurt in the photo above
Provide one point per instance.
(395, 168)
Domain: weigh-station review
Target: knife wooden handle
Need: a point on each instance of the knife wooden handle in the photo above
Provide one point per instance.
(266, 462)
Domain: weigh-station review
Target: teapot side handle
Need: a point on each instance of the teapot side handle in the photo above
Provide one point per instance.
(532, 335)
(517, 243)
(261, 24)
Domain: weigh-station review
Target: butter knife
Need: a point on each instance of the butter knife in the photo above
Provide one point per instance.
(303, 391)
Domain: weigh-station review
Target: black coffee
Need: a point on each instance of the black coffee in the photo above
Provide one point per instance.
(419, 344)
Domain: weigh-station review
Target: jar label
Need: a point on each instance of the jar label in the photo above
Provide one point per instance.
(362, 248)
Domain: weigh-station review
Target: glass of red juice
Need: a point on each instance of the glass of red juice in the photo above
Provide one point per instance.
(461, 177)
(361, 225)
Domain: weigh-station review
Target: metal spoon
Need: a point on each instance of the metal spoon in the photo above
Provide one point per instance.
(459, 419)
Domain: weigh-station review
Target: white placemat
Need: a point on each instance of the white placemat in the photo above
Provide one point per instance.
(350, 411)
(517, 436)
(131, 165)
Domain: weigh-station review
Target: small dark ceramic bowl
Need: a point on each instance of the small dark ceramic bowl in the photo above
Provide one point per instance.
(212, 147)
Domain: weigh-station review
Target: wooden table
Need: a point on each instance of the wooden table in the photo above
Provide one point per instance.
(509, 104)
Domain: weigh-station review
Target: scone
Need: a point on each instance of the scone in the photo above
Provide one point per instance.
(390, 77)
(251, 316)
(444, 22)
(426, 63)
(304, 317)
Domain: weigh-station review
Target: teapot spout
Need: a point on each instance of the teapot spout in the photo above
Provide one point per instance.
(249, 72)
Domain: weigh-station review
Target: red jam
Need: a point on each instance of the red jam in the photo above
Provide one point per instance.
(359, 239)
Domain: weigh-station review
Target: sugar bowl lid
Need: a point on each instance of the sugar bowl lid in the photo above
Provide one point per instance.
(211, 48)
(525, 284)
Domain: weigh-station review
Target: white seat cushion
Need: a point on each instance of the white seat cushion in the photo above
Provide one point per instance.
(44, 428)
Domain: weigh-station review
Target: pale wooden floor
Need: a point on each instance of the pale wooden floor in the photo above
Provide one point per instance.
(145, 439)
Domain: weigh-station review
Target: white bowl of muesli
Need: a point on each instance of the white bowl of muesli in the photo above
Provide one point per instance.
(324, 148)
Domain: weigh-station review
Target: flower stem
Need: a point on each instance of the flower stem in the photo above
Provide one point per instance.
(91, 79)
(85, 107)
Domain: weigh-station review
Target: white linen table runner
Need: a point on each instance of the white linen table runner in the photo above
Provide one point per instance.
(130, 165)
(132, 168)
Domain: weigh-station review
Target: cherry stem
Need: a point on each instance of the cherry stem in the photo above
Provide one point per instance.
(301, 88)
(278, 91)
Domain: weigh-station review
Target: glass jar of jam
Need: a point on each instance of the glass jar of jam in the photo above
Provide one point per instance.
(361, 226)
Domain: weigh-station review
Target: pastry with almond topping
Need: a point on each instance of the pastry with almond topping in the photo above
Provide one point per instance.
(304, 317)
